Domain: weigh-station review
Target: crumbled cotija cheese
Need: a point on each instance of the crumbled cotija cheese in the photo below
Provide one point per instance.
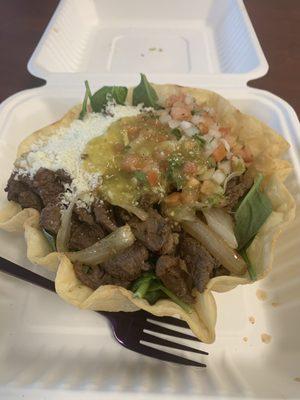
(63, 150)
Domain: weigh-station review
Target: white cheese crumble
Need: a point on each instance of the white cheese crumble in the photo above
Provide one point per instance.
(63, 150)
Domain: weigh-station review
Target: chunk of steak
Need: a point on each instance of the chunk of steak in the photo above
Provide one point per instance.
(155, 233)
(103, 212)
(200, 263)
(129, 264)
(63, 176)
(84, 235)
(29, 199)
(43, 189)
(51, 218)
(95, 276)
(48, 185)
(171, 271)
(122, 216)
(237, 188)
(84, 215)
(18, 190)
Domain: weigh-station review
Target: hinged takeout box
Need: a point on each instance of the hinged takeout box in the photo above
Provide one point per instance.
(51, 350)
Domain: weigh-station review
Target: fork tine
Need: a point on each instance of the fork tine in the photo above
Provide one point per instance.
(170, 321)
(147, 337)
(161, 329)
(162, 355)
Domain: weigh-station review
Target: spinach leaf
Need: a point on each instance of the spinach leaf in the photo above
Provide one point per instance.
(176, 300)
(176, 132)
(250, 267)
(106, 93)
(251, 214)
(144, 93)
(50, 238)
(87, 96)
(154, 296)
(149, 287)
(141, 285)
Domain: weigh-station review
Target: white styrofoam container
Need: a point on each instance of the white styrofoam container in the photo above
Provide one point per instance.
(50, 350)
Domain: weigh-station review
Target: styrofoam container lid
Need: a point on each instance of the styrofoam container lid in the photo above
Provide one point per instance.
(212, 41)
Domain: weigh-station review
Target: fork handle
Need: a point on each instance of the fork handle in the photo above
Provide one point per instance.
(25, 274)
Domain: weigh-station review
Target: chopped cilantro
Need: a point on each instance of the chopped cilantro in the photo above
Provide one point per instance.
(199, 139)
(211, 162)
(140, 176)
(174, 170)
(176, 132)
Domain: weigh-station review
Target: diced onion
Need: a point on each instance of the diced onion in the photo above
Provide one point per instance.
(185, 125)
(226, 144)
(101, 251)
(221, 223)
(165, 118)
(229, 258)
(225, 167)
(173, 123)
(211, 147)
(214, 131)
(191, 131)
(196, 119)
(218, 176)
(189, 99)
(63, 234)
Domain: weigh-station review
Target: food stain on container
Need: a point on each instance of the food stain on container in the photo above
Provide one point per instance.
(252, 320)
(261, 295)
(297, 379)
(275, 304)
(265, 338)
(245, 339)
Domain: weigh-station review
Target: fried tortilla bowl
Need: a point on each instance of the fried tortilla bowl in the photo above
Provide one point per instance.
(266, 147)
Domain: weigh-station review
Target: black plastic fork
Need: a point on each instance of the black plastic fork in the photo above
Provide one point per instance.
(129, 328)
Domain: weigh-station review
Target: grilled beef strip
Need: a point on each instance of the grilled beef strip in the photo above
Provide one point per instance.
(172, 272)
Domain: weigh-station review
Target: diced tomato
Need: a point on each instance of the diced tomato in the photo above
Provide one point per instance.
(152, 177)
(131, 163)
(190, 168)
(204, 129)
(224, 131)
(220, 153)
(132, 132)
(181, 112)
(173, 99)
(118, 147)
(246, 154)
